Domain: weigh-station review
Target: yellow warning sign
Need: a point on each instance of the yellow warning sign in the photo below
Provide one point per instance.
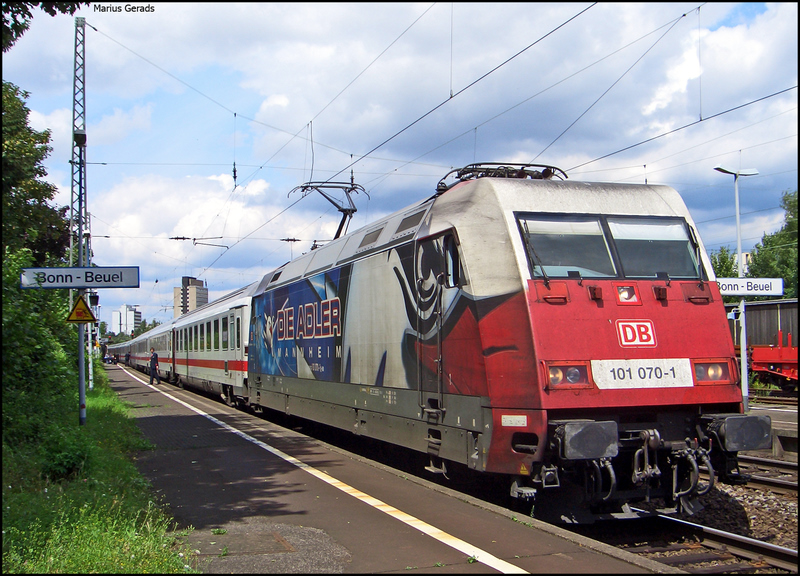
(81, 314)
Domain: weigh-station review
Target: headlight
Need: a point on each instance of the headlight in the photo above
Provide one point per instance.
(568, 375)
(707, 372)
(627, 294)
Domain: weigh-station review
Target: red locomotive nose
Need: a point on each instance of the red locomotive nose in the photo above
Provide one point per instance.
(632, 349)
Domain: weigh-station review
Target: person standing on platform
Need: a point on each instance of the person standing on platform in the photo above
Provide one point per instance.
(154, 367)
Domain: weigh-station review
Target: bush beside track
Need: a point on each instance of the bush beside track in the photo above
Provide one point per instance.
(73, 502)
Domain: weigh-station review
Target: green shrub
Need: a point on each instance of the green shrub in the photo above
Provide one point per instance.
(65, 454)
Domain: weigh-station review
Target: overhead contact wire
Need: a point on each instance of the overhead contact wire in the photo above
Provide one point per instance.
(685, 126)
(467, 87)
(612, 86)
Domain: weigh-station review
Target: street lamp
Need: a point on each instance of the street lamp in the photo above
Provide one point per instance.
(740, 261)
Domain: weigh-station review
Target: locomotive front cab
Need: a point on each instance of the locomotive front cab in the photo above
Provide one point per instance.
(636, 366)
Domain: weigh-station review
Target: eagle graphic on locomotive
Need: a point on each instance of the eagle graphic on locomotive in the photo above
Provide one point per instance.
(567, 336)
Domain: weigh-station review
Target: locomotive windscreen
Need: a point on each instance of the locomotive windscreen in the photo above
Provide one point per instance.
(558, 245)
(647, 246)
(608, 246)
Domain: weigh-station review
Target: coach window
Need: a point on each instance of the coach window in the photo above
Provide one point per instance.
(225, 333)
(216, 334)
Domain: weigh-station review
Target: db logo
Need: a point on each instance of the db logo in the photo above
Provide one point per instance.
(638, 333)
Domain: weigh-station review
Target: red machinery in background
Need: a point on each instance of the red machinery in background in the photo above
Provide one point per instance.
(775, 364)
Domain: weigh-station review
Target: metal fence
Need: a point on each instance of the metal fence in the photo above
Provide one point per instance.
(765, 319)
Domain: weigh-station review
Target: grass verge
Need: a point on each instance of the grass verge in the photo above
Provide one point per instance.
(79, 505)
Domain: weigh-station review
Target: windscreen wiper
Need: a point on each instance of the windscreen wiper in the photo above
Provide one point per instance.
(531, 250)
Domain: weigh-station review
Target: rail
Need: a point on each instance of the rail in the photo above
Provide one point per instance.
(713, 550)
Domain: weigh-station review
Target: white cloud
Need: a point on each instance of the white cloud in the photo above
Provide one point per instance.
(678, 76)
(118, 126)
(162, 89)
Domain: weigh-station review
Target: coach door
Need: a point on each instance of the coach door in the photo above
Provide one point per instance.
(174, 349)
(237, 345)
(437, 274)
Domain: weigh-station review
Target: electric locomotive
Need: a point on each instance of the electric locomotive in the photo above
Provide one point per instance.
(568, 336)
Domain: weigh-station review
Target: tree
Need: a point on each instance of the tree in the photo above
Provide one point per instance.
(725, 266)
(17, 17)
(776, 255)
(724, 263)
(28, 219)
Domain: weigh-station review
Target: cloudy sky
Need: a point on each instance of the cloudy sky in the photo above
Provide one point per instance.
(400, 94)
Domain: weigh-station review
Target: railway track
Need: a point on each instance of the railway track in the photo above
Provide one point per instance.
(693, 548)
(689, 547)
(777, 475)
(789, 400)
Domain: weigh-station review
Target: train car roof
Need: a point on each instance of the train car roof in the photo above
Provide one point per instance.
(501, 196)
(389, 231)
(240, 297)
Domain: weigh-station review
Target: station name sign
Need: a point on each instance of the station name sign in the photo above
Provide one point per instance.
(750, 286)
(75, 278)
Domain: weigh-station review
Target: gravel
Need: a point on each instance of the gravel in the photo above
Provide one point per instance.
(757, 514)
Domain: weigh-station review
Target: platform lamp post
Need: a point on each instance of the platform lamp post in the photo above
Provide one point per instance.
(740, 266)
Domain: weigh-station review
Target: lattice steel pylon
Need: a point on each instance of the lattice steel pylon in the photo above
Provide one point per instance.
(78, 207)
(78, 210)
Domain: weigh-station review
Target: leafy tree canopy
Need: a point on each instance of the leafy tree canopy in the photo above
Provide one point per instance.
(17, 17)
(145, 326)
(776, 255)
(28, 218)
(724, 263)
(725, 266)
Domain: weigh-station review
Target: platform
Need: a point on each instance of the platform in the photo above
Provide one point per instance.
(264, 499)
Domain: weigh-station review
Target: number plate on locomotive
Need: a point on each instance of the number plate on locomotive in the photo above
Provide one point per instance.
(657, 373)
